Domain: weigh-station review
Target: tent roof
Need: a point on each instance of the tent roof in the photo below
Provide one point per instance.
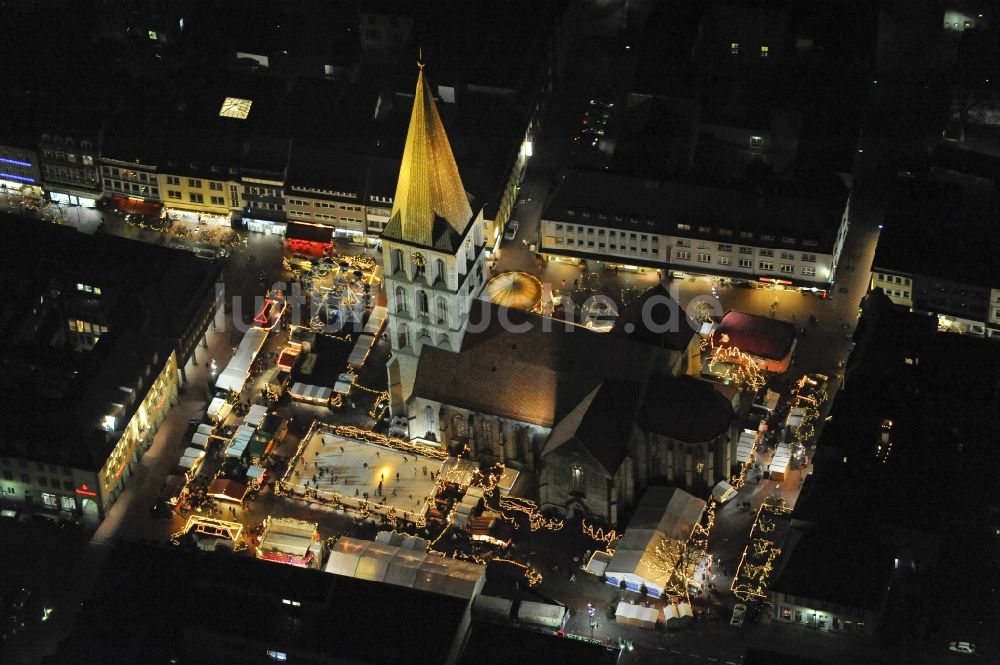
(664, 513)
(380, 561)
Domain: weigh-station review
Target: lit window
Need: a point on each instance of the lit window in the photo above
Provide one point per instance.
(234, 107)
(277, 655)
(578, 480)
(152, 35)
(763, 51)
(734, 48)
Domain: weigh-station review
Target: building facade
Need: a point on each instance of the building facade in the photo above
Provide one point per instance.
(628, 222)
(68, 164)
(19, 171)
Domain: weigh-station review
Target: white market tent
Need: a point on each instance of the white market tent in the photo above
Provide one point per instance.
(665, 513)
(795, 417)
(255, 472)
(492, 607)
(685, 612)
(359, 354)
(541, 614)
(289, 536)
(723, 491)
(238, 370)
(219, 408)
(305, 392)
(402, 540)
(780, 461)
(255, 415)
(199, 440)
(403, 566)
(744, 447)
(205, 429)
(598, 563)
(344, 384)
(636, 615)
(376, 320)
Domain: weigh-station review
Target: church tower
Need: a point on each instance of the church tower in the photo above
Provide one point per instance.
(432, 249)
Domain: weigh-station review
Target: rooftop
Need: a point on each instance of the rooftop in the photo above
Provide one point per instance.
(535, 375)
(146, 295)
(609, 200)
(230, 608)
(685, 409)
(915, 404)
(759, 336)
(943, 226)
(847, 569)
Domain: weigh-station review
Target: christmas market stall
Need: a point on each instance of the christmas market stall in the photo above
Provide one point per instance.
(224, 489)
(290, 541)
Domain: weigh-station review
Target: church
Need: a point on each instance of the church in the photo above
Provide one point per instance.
(589, 419)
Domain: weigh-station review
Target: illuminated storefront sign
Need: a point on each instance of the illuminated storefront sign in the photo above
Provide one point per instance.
(83, 490)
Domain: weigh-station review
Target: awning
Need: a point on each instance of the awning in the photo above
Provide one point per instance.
(310, 232)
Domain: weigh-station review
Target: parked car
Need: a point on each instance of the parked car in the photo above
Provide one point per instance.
(739, 612)
(511, 232)
(967, 648)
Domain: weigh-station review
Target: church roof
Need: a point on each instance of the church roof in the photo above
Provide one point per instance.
(685, 409)
(526, 367)
(601, 423)
(431, 207)
(658, 320)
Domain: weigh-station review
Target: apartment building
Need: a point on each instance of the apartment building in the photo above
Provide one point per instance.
(99, 332)
(327, 188)
(686, 228)
(936, 253)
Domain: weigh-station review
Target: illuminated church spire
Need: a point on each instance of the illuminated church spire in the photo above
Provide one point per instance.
(429, 185)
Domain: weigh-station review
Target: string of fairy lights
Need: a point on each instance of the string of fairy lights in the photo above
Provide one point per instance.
(744, 370)
(536, 520)
(760, 554)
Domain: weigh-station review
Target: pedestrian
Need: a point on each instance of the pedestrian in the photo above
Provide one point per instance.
(355, 491)
(341, 450)
(404, 459)
(377, 454)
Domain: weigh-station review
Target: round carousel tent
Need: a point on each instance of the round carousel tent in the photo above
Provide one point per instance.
(516, 290)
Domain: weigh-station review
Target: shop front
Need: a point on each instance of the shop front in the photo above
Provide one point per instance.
(265, 226)
(352, 236)
(71, 198)
(214, 218)
(137, 206)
